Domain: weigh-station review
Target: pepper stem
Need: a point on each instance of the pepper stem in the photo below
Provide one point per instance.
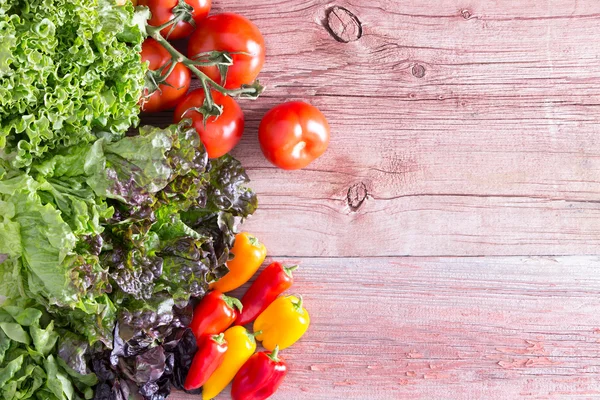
(274, 353)
(252, 336)
(233, 303)
(298, 304)
(289, 270)
(253, 241)
(219, 339)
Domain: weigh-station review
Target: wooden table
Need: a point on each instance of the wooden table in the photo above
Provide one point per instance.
(449, 238)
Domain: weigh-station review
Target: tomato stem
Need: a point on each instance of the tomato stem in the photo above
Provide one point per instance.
(251, 91)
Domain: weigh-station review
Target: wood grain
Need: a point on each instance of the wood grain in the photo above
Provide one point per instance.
(464, 130)
(447, 328)
(473, 128)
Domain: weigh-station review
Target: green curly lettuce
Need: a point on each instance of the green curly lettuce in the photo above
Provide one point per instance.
(68, 70)
(119, 229)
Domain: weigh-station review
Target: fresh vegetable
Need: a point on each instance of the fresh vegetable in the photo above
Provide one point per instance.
(70, 71)
(170, 81)
(124, 231)
(215, 313)
(248, 254)
(30, 364)
(218, 134)
(283, 323)
(188, 12)
(153, 369)
(210, 355)
(293, 134)
(236, 35)
(241, 345)
(273, 281)
(260, 377)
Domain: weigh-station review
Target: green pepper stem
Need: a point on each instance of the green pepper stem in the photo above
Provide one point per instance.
(219, 339)
(274, 354)
(254, 241)
(288, 270)
(298, 304)
(233, 303)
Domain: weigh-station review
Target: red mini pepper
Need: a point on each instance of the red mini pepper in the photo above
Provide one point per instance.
(214, 314)
(208, 358)
(259, 377)
(273, 281)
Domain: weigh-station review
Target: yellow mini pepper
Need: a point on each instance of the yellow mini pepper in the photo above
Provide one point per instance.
(241, 346)
(283, 323)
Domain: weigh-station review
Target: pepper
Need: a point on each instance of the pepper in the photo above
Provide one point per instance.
(283, 323)
(215, 313)
(249, 255)
(241, 346)
(273, 281)
(259, 377)
(208, 358)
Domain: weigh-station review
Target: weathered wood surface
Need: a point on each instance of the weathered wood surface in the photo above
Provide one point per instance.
(459, 129)
(447, 328)
(473, 128)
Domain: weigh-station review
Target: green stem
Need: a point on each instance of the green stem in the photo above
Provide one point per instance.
(289, 270)
(298, 304)
(206, 82)
(219, 339)
(274, 353)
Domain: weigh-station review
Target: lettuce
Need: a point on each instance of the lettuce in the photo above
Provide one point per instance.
(123, 231)
(69, 69)
(29, 367)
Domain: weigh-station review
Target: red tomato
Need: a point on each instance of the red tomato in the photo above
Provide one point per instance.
(179, 80)
(162, 12)
(232, 33)
(293, 134)
(221, 134)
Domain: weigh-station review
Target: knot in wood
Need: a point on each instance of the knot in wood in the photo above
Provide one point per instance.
(418, 70)
(466, 14)
(357, 194)
(343, 25)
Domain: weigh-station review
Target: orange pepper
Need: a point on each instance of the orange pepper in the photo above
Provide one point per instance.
(249, 254)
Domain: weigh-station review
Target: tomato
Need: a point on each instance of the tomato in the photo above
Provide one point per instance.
(162, 12)
(221, 134)
(293, 134)
(232, 33)
(179, 80)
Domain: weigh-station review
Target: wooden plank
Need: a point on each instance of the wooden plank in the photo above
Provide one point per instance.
(472, 128)
(447, 328)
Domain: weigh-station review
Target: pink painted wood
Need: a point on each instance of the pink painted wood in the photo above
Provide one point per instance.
(460, 129)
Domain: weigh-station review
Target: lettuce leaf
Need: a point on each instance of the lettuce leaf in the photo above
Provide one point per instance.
(69, 69)
(29, 366)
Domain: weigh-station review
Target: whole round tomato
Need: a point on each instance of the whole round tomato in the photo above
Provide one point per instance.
(232, 33)
(162, 12)
(167, 96)
(293, 134)
(220, 134)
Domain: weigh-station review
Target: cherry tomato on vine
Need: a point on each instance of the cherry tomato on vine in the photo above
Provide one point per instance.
(179, 80)
(231, 33)
(220, 134)
(293, 134)
(162, 12)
